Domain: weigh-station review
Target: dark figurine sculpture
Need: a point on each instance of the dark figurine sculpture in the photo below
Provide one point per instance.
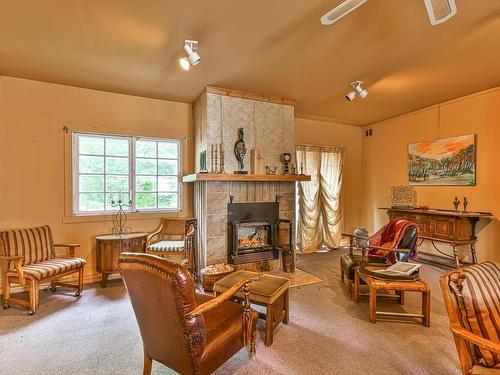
(456, 203)
(239, 151)
(466, 202)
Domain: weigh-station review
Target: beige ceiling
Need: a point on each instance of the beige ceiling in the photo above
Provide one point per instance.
(276, 47)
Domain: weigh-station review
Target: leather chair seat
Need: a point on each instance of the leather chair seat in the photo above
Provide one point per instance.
(349, 263)
(264, 291)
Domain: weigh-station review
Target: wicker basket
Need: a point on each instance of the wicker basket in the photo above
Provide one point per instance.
(208, 281)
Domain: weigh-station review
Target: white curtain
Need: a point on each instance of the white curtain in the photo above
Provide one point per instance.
(320, 200)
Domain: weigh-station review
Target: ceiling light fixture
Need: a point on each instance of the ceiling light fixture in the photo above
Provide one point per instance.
(340, 11)
(357, 89)
(192, 58)
(440, 10)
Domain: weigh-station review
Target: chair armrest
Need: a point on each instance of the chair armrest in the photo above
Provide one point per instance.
(17, 259)
(475, 339)
(152, 235)
(393, 249)
(204, 307)
(69, 246)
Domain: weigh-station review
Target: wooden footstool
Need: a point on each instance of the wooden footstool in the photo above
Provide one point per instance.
(271, 292)
(400, 287)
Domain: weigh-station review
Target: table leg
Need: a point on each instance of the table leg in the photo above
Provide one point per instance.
(401, 294)
(473, 252)
(268, 340)
(373, 304)
(426, 308)
(104, 279)
(356, 286)
(455, 254)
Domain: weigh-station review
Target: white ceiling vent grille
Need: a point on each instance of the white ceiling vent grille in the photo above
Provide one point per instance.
(340, 11)
(440, 10)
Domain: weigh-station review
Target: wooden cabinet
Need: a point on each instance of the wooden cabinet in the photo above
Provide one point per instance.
(453, 228)
(110, 246)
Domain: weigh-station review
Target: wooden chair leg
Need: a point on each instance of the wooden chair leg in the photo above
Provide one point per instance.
(401, 294)
(34, 296)
(373, 304)
(148, 365)
(80, 282)
(356, 287)
(349, 286)
(341, 273)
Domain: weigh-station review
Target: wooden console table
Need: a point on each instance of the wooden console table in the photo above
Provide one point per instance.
(110, 246)
(450, 227)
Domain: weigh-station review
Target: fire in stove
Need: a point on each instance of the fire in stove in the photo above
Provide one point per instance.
(256, 240)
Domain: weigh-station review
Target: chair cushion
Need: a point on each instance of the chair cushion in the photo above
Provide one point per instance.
(264, 291)
(54, 266)
(33, 244)
(478, 293)
(167, 245)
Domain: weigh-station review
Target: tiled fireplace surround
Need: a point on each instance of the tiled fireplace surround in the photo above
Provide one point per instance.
(267, 126)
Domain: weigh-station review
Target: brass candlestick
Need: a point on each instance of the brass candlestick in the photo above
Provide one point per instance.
(221, 148)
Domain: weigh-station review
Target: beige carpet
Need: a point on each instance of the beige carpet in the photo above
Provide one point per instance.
(328, 334)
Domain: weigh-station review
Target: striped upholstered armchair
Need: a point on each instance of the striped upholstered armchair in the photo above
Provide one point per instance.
(174, 237)
(27, 256)
(472, 299)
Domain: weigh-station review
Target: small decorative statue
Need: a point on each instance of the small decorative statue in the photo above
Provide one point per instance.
(239, 151)
(465, 204)
(361, 236)
(456, 203)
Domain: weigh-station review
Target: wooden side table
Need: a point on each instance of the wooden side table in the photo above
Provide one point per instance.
(400, 287)
(110, 246)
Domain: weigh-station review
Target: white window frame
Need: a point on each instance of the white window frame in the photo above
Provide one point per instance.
(131, 175)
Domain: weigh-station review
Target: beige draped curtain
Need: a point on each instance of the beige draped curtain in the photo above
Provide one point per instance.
(320, 200)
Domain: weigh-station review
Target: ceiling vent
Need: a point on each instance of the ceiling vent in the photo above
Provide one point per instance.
(440, 10)
(340, 11)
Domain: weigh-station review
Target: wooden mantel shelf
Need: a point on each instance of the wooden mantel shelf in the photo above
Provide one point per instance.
(244, 177)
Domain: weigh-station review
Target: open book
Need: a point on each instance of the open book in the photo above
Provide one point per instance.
(399, 268)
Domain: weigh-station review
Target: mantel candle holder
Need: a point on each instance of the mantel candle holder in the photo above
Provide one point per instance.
(121, 217)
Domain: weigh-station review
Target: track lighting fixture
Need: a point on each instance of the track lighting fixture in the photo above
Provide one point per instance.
(192, 57)
(356, 90)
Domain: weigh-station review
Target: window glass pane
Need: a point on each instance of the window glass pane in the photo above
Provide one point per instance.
(167, 167)
(91, 145)
(91, 183)
(145, 200)
(167, 200)
(167, 183)
(91, 164)
(145, 183)
(117, 165)
(91, 201)
(114, 197)
(145, 166)
(117, 183)
(167, 150)
(116, 147)
(145, 149)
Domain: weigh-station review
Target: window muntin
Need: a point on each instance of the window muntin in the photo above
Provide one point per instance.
(109, 168)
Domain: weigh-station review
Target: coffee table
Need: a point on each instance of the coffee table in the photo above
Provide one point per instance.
(400, 287)
(271, 292)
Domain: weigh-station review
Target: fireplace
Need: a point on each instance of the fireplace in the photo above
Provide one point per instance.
(252, 232)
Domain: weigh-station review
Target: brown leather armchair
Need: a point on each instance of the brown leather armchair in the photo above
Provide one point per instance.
(190, 333)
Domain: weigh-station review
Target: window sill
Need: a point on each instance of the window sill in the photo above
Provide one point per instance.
(110, 217)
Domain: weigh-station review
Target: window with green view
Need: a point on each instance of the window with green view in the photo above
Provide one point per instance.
(110, 168)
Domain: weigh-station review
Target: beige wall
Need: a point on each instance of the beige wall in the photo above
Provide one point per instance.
(329, 133)
(385, 161)
(35, 177)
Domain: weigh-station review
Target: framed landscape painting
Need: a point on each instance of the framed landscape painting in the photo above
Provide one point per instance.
(447, 161)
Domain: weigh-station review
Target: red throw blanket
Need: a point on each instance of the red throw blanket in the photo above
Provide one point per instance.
(389, 236)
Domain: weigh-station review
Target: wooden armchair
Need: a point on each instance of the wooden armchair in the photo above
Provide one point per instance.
(469, 295)
(174, 237)
(27, 256)
(189, 332)
(357, 254)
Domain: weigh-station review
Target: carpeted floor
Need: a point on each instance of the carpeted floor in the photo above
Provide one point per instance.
(328, 334)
